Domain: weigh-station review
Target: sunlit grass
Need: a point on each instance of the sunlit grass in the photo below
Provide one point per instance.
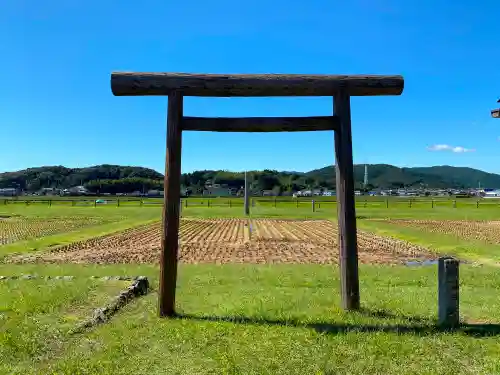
(244, 319)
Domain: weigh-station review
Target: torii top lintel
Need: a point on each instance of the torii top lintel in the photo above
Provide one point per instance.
(227, 85)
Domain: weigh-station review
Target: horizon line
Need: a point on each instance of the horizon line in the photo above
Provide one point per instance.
(242, 170)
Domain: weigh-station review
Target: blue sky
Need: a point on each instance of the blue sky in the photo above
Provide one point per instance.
(56, 106)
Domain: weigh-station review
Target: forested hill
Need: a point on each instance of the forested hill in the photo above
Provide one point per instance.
(34, 179)
(387, 176)
(115, 178)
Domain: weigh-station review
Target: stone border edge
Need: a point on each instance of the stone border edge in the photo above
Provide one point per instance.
(33, 277)
(139, 287)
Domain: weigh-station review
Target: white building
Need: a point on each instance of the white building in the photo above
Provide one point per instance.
(304, 193)
(492, 194)
(75, 190)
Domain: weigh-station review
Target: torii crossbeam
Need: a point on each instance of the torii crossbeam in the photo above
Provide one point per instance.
(178, 85)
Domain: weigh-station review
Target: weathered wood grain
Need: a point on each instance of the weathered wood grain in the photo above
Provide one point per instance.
(448, 293)
(172, 188)
(226, 85)
(260, 124)
(348, 250)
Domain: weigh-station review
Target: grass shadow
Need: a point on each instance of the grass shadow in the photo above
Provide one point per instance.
(421, 326)
(384, 314)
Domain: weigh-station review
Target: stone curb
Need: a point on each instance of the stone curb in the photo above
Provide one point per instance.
(139, 287)
(103, 278)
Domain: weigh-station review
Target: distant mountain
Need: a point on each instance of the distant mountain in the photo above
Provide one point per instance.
(116, 178)
(462, 176)
(389, 176)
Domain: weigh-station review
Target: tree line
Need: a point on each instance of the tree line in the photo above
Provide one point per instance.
(127, 179)
(34, 179)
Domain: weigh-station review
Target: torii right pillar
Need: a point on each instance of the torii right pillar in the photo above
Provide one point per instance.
(346, 212)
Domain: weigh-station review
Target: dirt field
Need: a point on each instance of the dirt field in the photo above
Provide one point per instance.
(486, 231)
(14, 229)
(234, 241)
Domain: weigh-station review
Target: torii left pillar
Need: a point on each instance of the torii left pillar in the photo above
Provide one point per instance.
(170, 227)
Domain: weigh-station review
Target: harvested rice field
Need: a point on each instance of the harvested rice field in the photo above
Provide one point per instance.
(13, 229)
(485, 231)
(233, 241)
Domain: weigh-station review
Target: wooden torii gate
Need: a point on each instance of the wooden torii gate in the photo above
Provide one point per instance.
(178, 85)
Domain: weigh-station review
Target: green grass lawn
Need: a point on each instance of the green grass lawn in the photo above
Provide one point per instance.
(37, 315)
(245, 319)
(248, 319)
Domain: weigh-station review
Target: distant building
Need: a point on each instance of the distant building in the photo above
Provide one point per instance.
(217, 191)
(8, 192)
(304, 193)
(155, 193)
(49, 191)
(267, 193)
(492, 194)
(76, 190)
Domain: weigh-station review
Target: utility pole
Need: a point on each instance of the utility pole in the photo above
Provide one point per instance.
(247, 196)
(365, 181)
